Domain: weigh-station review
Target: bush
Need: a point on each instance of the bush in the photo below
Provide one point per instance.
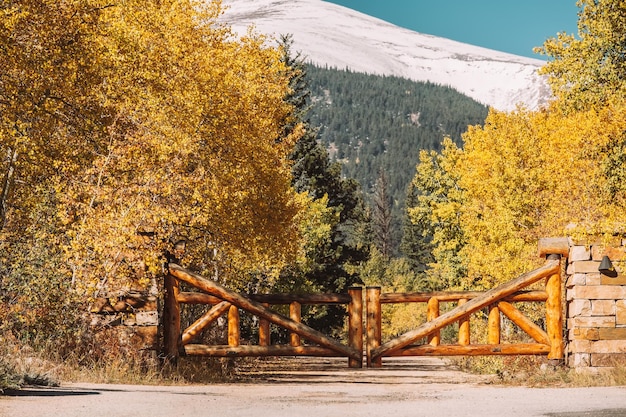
(8, 377)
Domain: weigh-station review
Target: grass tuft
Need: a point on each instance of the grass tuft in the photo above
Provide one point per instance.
(536, 371)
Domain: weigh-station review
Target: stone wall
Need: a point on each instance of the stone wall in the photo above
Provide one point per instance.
(596, 305)
(128, 321)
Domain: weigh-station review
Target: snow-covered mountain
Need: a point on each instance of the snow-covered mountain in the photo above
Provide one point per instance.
(333, 35)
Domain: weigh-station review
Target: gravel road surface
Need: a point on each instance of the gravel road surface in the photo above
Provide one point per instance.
(415, 387)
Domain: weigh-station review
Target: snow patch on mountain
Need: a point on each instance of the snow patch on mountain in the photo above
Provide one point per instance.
(333, 35)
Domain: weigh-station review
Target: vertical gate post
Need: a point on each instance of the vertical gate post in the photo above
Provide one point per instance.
(171, 320)
(493, 325)
(373, 324)
(432, 313)
(355, 325)
(554, 318)
(233, 326)
(264, 330)
(554, 249)
(464, 326)
(295, 314)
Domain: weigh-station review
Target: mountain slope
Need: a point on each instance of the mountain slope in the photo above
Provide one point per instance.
(371, 123)
(333, 35)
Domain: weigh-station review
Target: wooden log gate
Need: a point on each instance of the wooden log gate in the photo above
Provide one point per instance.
(224, 300)
(497, 300)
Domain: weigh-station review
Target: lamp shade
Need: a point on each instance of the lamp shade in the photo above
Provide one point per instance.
(606, 267)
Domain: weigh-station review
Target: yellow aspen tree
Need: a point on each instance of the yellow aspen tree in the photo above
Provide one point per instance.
(437, 211)
(558, 171)
(193, 151)
(48, 104)
(527, 175)
(52, 120)
(585, 70)
(588, 71)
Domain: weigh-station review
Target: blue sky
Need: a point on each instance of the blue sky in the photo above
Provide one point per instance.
(512, 26)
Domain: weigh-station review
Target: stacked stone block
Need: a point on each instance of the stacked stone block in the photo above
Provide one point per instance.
(132, 319)
(596, 306)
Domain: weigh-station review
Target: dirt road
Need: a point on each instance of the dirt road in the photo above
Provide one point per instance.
(416, 387)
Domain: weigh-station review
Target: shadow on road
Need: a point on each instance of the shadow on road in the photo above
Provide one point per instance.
(613, 412)
(332, 370)
(47, 392)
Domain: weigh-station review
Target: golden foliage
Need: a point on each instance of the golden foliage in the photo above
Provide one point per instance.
(155, 124)
(585, 70)
(196, 157)
(554, 172)
(526, 175)
(438, 209)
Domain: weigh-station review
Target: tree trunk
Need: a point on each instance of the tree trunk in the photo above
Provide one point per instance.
(7, 185)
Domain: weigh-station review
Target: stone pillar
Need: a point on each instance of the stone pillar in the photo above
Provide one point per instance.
(596, 306)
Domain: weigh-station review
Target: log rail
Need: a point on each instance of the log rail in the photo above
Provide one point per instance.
(223, 301)
(305, 341)
(498, 301)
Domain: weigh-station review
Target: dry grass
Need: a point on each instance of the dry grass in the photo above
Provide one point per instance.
(536, 371)
(111, 370)
(149, 371)
(22, 366)
(19, 367)
(9, 378)
(517, 371)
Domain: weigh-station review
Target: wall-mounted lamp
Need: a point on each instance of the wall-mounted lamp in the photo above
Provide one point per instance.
(606, 267)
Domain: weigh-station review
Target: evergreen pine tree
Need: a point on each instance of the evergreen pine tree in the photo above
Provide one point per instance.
(381, 216)
(314, 174)
(416, 244)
